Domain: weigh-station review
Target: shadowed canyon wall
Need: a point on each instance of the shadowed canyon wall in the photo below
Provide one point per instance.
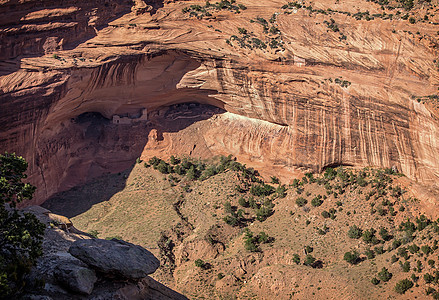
(284, 107)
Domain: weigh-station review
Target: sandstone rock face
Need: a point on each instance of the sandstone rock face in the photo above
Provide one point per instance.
(284, 106)
(115, 258)
(38, 27)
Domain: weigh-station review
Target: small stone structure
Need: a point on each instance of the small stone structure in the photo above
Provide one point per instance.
(130, 119)
(299, 61)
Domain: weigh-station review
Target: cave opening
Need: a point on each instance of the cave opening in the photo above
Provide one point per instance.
(91, 116)
(96, 148)
(335, 165)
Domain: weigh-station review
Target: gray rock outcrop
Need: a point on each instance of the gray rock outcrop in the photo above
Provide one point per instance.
(98, 272)
(75, 277)
(115, 258)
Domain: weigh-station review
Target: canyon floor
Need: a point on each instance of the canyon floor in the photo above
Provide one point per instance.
(228, 235)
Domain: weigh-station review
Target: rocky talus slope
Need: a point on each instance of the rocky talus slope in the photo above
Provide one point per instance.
(304, 86)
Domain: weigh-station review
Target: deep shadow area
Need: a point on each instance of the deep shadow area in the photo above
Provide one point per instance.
(81, 198)
(97, 136)
(158, 290)
(156, 5)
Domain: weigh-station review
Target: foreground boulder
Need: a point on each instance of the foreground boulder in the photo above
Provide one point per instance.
(75, 277)
(115, 258)
(58, 275)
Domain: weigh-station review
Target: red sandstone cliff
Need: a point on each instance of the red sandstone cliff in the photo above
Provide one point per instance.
(284, 106)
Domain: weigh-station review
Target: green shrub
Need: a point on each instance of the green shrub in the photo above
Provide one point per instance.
(228, 207)
(231, 220)
(375, 281)
(422, 222)
(405, 266)
(369, 236)
(324, 230)
(426, 249)
(199, 263)
(385, 234)
(428, 278)
(253, 204)
(419, 266)
(179, 170)
(325, 214)
(354, 232)
(250, 245)
(115, 237)
(402, 251)
(430, 291)
(281, 191)
(296, 258)
(192, 173)
(174, 160)
(263, 237)
(262, 189)
(162, 167)
(309, 260)
(317, 201)
(413, 248)
(396, 244)
(403, 285)
(384, 275)
(94, 233)
(264, 212)
(274, 180)
(330, 173)
(409, 227)
(381, 211)
(369, 253)
(379, 249)
(251, 242)
(352, 257)
(301, 201)
(154, 161)
(208, 172)
(242, 30)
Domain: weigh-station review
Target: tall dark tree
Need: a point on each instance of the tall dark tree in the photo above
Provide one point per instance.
(20, 234)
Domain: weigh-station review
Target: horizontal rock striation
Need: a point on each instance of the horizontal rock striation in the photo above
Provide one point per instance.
(38, 27)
